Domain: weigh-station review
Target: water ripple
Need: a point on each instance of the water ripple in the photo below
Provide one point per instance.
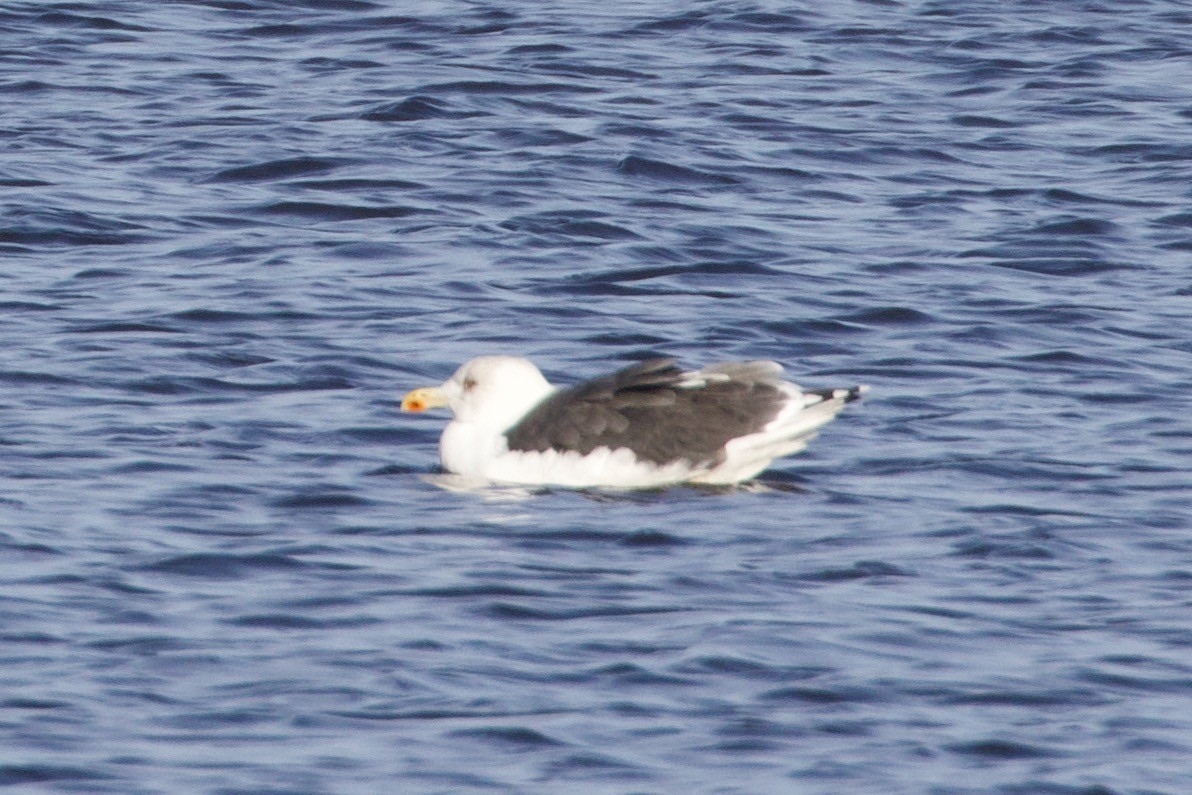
(234, 233)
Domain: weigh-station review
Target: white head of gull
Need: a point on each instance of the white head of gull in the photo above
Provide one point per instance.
(644, 426)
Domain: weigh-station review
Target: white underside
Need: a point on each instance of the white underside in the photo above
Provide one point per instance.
(477, 452)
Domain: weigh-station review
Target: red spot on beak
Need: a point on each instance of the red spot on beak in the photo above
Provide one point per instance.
(423, 399)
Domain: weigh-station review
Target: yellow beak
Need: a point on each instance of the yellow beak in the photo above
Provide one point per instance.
(423, 398)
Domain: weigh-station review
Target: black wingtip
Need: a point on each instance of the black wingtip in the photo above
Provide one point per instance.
(845, 394)
(854, 392)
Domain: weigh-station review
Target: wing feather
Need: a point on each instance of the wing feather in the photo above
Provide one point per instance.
(657, 411)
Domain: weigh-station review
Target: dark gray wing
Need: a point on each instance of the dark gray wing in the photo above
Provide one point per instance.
(644, 408)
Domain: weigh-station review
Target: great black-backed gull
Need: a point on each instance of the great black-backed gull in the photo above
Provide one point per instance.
(645, 426)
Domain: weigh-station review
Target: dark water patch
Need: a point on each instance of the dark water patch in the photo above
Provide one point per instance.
(217, 121)
(67, 454)
(889, 316)
(203, 315)
(506, 88)
(748, 745)
(63, 228)
(236, 221)
(1014, 509)
(779, 173)
(563, 109)
(280, 31)
(578, 69)
(214, 720)
(861, 570)
(734, 267)
(663, 171)
(1142, 152)
(1001, 750)
(150, 467)
(1034, 787)
(989, 122)
(21, 182)
(1112, 677)
(26, 87)
(552, 48)
(379, 436)
(484, 30)
(1118, 398)
(223, 566)
(635, 131)
(676, 22)
(285, 621)
(1009, 549)
(278, 169)
(32, 638)
(550, 537)
(321, 211)
(899, 153)
(625, 340)
(228, 358)
(103, 273)
(615, 282)
(319, 498)
(802, 329)
(145, 646)
(476, 712)
(540, 138)
(513, 738)
(1079, 227)
(418, 108)
(569, 225)
(633, 675)
(22, 378)
(477, 590)
(28, 306)
(390, 470)
(34, 704)
(726, 665)
(1179, 220)
(592, 764)
(832, 196)
(125, 328)
(1030, 699)
(625, 647)
(822, 696)
(752, 22)
(1066, 359)
(19, 775)
(1063, 197)
(66, 19)
(651, 538)
(518, 612)
(757, 728)
(322, 64)
(1051, 266)
(356, 183)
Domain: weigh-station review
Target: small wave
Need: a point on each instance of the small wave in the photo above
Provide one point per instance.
(635, 166)
(319, 211)
(516, 738)
(278, 169)
(223, 565)
(1002, 750)
(417, 108)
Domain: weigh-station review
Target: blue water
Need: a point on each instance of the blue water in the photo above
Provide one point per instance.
(234, 232)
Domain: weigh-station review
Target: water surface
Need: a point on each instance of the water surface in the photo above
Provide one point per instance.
(233, 233)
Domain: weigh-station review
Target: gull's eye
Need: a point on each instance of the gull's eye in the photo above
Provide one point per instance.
(469, 384)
